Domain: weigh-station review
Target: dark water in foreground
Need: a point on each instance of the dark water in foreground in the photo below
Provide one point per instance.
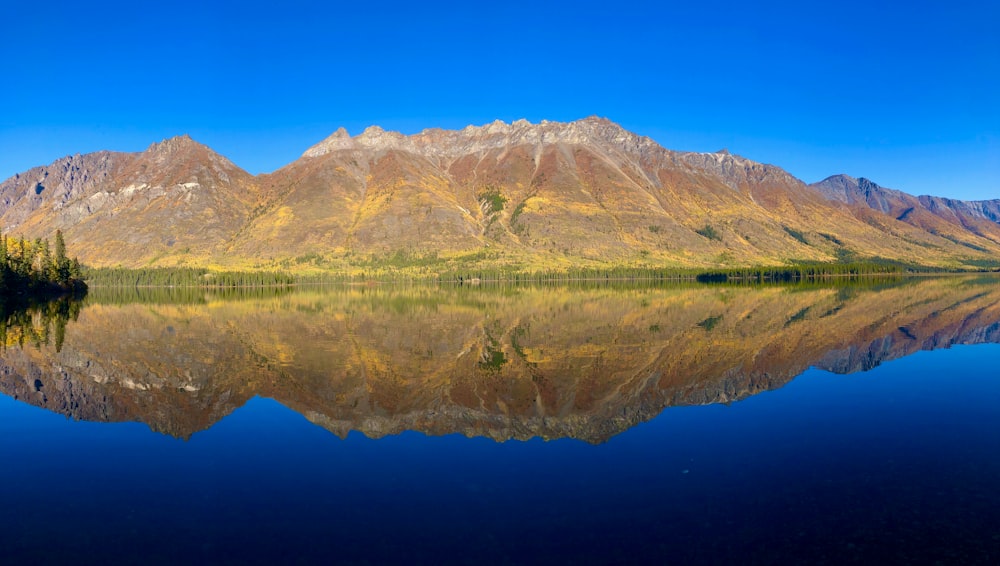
(682, 426)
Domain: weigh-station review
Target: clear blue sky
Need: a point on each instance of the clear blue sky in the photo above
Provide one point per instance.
(904, 93)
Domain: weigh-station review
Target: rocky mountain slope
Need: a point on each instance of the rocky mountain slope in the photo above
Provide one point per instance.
(176, 197)
(549, 194)
(951, 219)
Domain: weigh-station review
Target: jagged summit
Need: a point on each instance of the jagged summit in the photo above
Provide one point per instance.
(337, 141)
(474, 139)
(174, 143)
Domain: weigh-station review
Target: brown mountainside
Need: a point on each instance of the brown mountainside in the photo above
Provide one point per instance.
(549, 194)
(176, 197)
(967, 223)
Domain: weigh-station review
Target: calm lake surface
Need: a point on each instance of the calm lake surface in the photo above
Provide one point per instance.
(712, 424)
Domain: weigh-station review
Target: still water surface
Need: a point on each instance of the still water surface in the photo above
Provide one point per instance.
(846, 424)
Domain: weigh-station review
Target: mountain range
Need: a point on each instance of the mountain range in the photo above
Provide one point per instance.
(552, 195)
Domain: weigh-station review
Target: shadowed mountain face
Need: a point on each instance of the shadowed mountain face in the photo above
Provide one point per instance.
(958, 221)
(553, 194)
(516, 363)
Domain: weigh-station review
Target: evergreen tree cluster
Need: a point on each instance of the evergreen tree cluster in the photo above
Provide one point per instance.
(33, 267)
(803, 272)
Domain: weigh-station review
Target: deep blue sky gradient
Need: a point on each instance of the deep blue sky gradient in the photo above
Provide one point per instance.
(903, 93)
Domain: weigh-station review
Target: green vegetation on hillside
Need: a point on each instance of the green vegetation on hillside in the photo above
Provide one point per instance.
(492, 200)
(797, 235)
(709, 232)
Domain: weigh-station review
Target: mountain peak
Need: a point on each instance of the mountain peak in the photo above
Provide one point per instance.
(338, 140)
(172, 144)
(376, 137)
(847, 189)
(340, 134)
(840, 180)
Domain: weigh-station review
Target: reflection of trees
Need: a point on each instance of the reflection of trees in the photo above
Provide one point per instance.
(37, 323)
(501, 362)
(190, 295)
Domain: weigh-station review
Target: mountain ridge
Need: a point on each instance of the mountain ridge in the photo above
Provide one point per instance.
(947, 217)
(523, 195)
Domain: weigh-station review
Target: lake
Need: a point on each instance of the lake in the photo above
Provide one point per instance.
(592, 424)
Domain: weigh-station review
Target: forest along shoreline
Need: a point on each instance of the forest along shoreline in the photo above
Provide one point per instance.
(33, 271)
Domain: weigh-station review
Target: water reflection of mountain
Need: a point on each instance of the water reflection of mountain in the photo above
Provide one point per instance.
(546, 362)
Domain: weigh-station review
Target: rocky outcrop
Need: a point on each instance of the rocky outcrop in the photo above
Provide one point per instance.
(474, 140)
(178, 197)
(69, 179)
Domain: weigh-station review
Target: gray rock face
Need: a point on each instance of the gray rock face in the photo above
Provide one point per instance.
(874, 195)
(436, 142)
(736, 170)
(849, 190)
(67, 179)
(983, 209)
(124, 205)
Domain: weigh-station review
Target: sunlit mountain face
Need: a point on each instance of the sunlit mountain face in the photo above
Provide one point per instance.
(548, 195)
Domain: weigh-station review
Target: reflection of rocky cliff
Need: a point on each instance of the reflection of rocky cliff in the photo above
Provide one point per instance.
(542, 362)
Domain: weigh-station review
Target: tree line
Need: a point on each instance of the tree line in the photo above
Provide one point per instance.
(198, 277)
(804, 271)
(795, 272)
